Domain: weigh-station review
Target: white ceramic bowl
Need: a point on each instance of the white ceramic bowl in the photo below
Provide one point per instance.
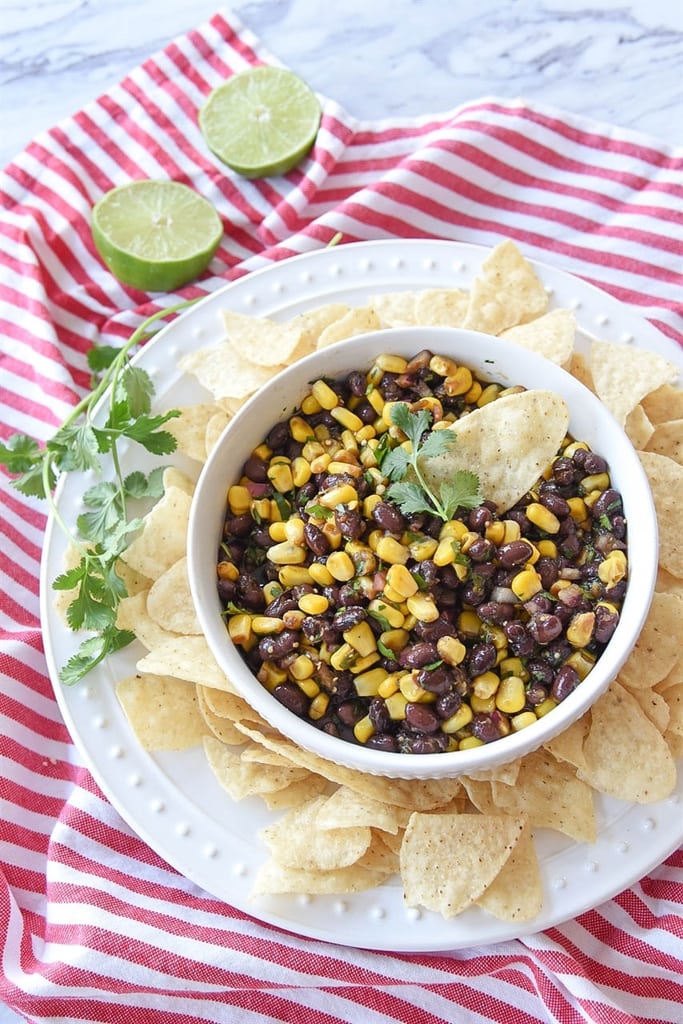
(489, 358)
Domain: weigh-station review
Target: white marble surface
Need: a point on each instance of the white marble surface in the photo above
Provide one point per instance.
(615, 60)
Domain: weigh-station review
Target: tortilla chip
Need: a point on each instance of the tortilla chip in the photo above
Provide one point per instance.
(667, 439)
(224, 372)
(242, 779)
(516, 893)
(625, 374)
(507, 443)
(551, 335)
(666, 403)
(666, 482)
(132, 614)
(638, 428)
(169, 601)
(186, 657)
(189, 429)
(658, 646)
(356, 321)
(506, 292)
(162, 711)
(266, 342)
(395, 309)
(347, 809)
(441, 307)
(568, 745)
(273, 878)
(626, 755)
(163, 538)
(296, 841)
(448, 861)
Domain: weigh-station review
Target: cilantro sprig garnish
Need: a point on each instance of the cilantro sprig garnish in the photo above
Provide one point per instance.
(415, 495)
(104, 530)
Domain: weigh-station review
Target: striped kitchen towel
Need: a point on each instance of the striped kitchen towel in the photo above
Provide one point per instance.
(94, 925)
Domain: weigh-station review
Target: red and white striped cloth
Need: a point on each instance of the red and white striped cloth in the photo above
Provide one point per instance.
(93, 925)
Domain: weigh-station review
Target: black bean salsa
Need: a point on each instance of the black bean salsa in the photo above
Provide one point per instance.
(405, 632)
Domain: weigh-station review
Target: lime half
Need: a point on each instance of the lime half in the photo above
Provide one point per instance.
(261, 122)
(155, 235)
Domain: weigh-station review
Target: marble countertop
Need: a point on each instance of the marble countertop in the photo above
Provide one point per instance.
(617, 61)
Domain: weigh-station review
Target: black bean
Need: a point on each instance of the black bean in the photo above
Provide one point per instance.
(256, 469)
(227, 590)
(349, 616)
(383, 741)
(536, 694)
(566, 680)
(540, 672)
(446, 704)
(316, 540)
(496, 611)
(555, 503)
(357, 383)
(544, 627)
(436, 680)
(607, 504)
(482, 658)
(388, 516)
(378, 714)
(350, 712)
(514, 553)
(548, 569)
(284, 602)
(421, 717)
(606, 621)
(594, 463)
(350, 523)
(365, 411)
(278, 436)
(481, 550)
(418, 655)
(518, 637)
(250, 593)
(564, 472)
(479, 518)
(484, 728)
(433, 631)
(276, 645)
(293, 698)
(435, 743)
(239, 526)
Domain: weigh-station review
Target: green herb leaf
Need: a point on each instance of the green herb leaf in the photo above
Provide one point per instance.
(414, 495)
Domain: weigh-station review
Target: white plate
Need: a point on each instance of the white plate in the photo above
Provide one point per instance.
(173, 802)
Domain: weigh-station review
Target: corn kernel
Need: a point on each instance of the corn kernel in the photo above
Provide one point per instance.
(578, 510)
(469, 623)
(376, 400)
(525, 584)
(460, 382)
(544, 707)
(485, 684)
(512, 530)
(389, 686)
(313, 604)
(361, 638)
(392, 551)
(362, 663)
(581, 661)
(320, 574)
(580, 629)
(573, 447)
(513, 667)
(451, 650)
(310, 405)
(263, 625)
(368, 683)
(390, 363)
(394, 640)
(423, 548)
(340, 566)
(333, 533)
(613, 568)
(270, 675)
(300, 429)
(442, 365)
(286, 553)
(495, 532)
(488, 395)
(412, 691)
(294, 576)
(467, 540)
(391, 595)
(346, 418)
(276, 531)
(324, 395)
(422, 606)
(402, 580)
(396, 706)
(511, 695)
(595, 482)
(366, 433)
(482, 705)
(301, 471)
(374, 375)
(280, 476)
(462, 717)
(239, 628)
(393, 616)
(474, 394)
(522, 720)
(343, 494)
(343, 658)
(469, 742)
(293, 619)
(318, 706)
(542, 517)
(350, 468)
(363, 729)
(547, 548)
(369, 503)
(445, 552)
(301, 668)
(264, 510)
(227, 571)
(239, 499)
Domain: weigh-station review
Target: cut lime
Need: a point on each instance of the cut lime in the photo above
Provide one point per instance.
(155, 235)
(261, 122)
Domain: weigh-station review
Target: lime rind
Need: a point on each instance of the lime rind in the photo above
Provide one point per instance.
(155, 235)
(261, 122)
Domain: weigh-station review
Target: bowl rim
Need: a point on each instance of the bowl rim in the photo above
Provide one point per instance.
(201, 540)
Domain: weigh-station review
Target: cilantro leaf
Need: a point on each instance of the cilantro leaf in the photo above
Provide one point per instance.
(92, 651)
(414, 495)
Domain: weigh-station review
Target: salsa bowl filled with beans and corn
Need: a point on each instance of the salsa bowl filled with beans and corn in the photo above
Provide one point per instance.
(422, 552)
